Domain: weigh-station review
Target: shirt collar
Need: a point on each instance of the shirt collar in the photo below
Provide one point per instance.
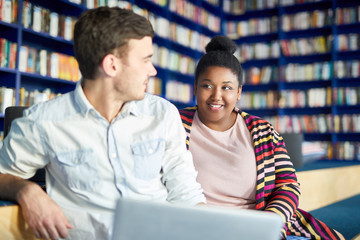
(85, 106)
(82, 102)
(129, 108)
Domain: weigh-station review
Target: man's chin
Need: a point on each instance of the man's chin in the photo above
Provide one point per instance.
(140, 97)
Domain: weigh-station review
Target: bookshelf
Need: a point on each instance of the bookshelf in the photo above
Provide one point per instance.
(301, 67)
(301, 57)
(37, 50)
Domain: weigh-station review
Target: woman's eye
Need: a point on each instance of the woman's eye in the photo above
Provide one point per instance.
(227, 88)
(206, 86)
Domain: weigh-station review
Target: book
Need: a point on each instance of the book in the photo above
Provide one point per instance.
(37, 18)
(54, 24)
(7, 98)
(6, 11)
(23, 58)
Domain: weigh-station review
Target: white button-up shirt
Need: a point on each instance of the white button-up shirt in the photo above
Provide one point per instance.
(90, 163)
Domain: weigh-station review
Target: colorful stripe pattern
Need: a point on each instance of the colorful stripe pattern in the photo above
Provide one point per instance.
(277, 187)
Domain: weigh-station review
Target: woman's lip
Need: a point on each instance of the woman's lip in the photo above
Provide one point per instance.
(215, 107)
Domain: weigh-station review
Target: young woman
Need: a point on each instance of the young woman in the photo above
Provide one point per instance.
(241, 160)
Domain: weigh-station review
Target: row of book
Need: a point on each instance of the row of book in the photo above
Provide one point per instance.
(238, 7)
(31, 97)
(9, 11)
(241, 6)
(253, 26)
(344, 151)
(347, 69)
(174, 31)
(255, 51)
(7, 53)
(169, 59)
(259, 100)
(346, 96)
(196, 14)
(347, 123)
(320, 123)
(306, 20)
(178, 33)
(348, 151)
(178, 91)
(347, 42)
(213, 2)
(111, 3)
(293, 98)
(313, 97)
(293, 2)
(46, 63)
(26, 97)
(297, 72)
(261, 75)
(306, 46)
(297, 47)
(42, 19)
(347, 15)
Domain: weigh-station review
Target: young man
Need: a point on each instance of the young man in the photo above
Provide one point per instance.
(105, 140)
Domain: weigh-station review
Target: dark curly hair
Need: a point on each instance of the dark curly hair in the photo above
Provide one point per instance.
(219, 52)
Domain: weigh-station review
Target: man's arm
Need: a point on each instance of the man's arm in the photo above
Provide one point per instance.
(179, 172)
(44, 217)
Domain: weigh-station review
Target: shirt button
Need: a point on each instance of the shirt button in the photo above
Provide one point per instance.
(150, 151)
(113, 155)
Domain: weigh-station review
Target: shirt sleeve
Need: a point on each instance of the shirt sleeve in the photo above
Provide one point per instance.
(179, 174)
(22, 152)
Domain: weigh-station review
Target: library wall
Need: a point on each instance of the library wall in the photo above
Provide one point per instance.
(301, 62)
(300, 57)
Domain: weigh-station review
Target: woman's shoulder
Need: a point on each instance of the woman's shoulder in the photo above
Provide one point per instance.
(188, 112)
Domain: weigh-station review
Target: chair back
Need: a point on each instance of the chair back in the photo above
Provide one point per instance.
(293, 143)
(12, 113)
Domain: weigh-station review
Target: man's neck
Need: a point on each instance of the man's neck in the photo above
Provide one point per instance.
(102, 98)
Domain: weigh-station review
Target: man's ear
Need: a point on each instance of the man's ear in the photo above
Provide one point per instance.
(110, 65)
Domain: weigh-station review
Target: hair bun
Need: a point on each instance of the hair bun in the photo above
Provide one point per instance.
(221, 43)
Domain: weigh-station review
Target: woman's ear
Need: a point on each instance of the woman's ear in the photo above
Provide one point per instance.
(239, 93)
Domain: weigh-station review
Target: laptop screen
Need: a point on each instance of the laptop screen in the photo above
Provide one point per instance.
(140, 220)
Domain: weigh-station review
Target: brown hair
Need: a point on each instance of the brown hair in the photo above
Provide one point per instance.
(105, 30)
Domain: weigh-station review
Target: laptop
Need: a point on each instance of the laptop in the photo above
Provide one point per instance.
(140, 220)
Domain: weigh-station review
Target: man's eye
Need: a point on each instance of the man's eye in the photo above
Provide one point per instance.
(227, 88)
(206, 86)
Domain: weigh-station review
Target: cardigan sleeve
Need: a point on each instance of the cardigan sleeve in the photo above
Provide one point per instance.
(284, 199)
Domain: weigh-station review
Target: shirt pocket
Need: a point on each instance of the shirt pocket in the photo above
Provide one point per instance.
(78, 169)
(148, 157)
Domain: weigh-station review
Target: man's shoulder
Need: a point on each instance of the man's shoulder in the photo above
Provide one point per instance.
(51, 109)
(154, 104)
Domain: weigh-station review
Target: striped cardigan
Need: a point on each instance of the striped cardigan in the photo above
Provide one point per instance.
(277, 188)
